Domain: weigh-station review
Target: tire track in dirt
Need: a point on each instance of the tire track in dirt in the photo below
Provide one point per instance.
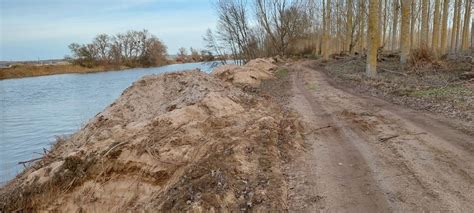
(342, 179)
(352, 166)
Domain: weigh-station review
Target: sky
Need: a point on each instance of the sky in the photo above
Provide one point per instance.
(42, 29)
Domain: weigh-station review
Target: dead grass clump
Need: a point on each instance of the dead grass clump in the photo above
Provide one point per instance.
(421, 57)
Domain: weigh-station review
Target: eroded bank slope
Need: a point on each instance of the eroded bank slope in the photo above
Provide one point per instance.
(178, 141)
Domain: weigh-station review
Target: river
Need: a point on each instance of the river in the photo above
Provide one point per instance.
(35, 110)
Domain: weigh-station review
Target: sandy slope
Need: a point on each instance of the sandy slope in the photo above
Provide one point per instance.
(367, 155)
(185, 141)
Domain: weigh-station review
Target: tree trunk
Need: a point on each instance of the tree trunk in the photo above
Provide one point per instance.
(444, 27)
(338, 27)
(349, 32)
(373, 42)
(424, 24)
(435, 42)
(405, 32)
(327, 28)
(380, 21)
(467, 18)
(454, 30)
(324, 36)
(472, 37)
(384, 35)
(362, 25)
(412, 24)
(396, 11)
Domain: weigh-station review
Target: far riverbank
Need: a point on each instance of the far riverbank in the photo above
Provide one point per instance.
(28, 70)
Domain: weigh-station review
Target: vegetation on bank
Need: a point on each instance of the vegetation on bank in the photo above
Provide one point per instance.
(23, 70)
(130, 49)
(195, 55)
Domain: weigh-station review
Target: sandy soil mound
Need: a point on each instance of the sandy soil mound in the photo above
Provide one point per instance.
(179, 141)
(248, 75)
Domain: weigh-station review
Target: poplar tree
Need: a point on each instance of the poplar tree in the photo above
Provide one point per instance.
(435, 42)
(454, 30)
(465, 31)
(424, 24)
(405, 32)
(444, 27)
(373, 36)
(396, 9)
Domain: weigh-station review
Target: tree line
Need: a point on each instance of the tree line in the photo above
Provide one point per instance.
(248, 29)
(131, 49)
(194, 55)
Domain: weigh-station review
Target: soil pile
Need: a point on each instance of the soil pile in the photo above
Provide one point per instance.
(184, 141)
(248, 76)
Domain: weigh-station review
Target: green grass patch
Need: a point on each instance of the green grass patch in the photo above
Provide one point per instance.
(444, 92)
(281, 73)
(312, 87)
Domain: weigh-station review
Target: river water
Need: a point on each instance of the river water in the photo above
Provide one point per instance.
(34, 110)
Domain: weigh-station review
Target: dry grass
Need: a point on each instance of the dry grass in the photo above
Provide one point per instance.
(21, 71)
(428, 84)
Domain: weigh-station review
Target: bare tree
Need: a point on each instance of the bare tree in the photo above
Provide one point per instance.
(444, 27)
(212, 45)
(234, 29)
(373, 41)
(424, 24)
(465, 31)
(396, 11)
(102, 43)
(455, 29)
(412, 24)
(284, 21)
(349, 26)
(327, 28)
(405, 32)
(436, 32)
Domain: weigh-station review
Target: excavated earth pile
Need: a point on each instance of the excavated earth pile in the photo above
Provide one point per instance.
(184, 141)
(248, 76)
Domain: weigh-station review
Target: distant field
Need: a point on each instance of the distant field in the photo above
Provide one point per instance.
(20, 71)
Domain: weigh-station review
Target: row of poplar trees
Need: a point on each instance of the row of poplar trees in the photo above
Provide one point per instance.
(248, 29)
(440, 26)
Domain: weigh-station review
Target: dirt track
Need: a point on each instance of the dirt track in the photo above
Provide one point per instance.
(367, 155)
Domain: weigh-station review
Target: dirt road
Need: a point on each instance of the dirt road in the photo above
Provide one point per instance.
(367, 155)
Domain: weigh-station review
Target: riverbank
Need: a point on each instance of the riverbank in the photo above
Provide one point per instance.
(183, 141)
(22, 71)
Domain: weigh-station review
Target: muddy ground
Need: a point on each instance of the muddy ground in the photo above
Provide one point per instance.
(365, 154)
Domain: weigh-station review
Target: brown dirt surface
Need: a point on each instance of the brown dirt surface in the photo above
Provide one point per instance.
(434, 86)
(248, 76)
(367, 155)
(184, 141)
